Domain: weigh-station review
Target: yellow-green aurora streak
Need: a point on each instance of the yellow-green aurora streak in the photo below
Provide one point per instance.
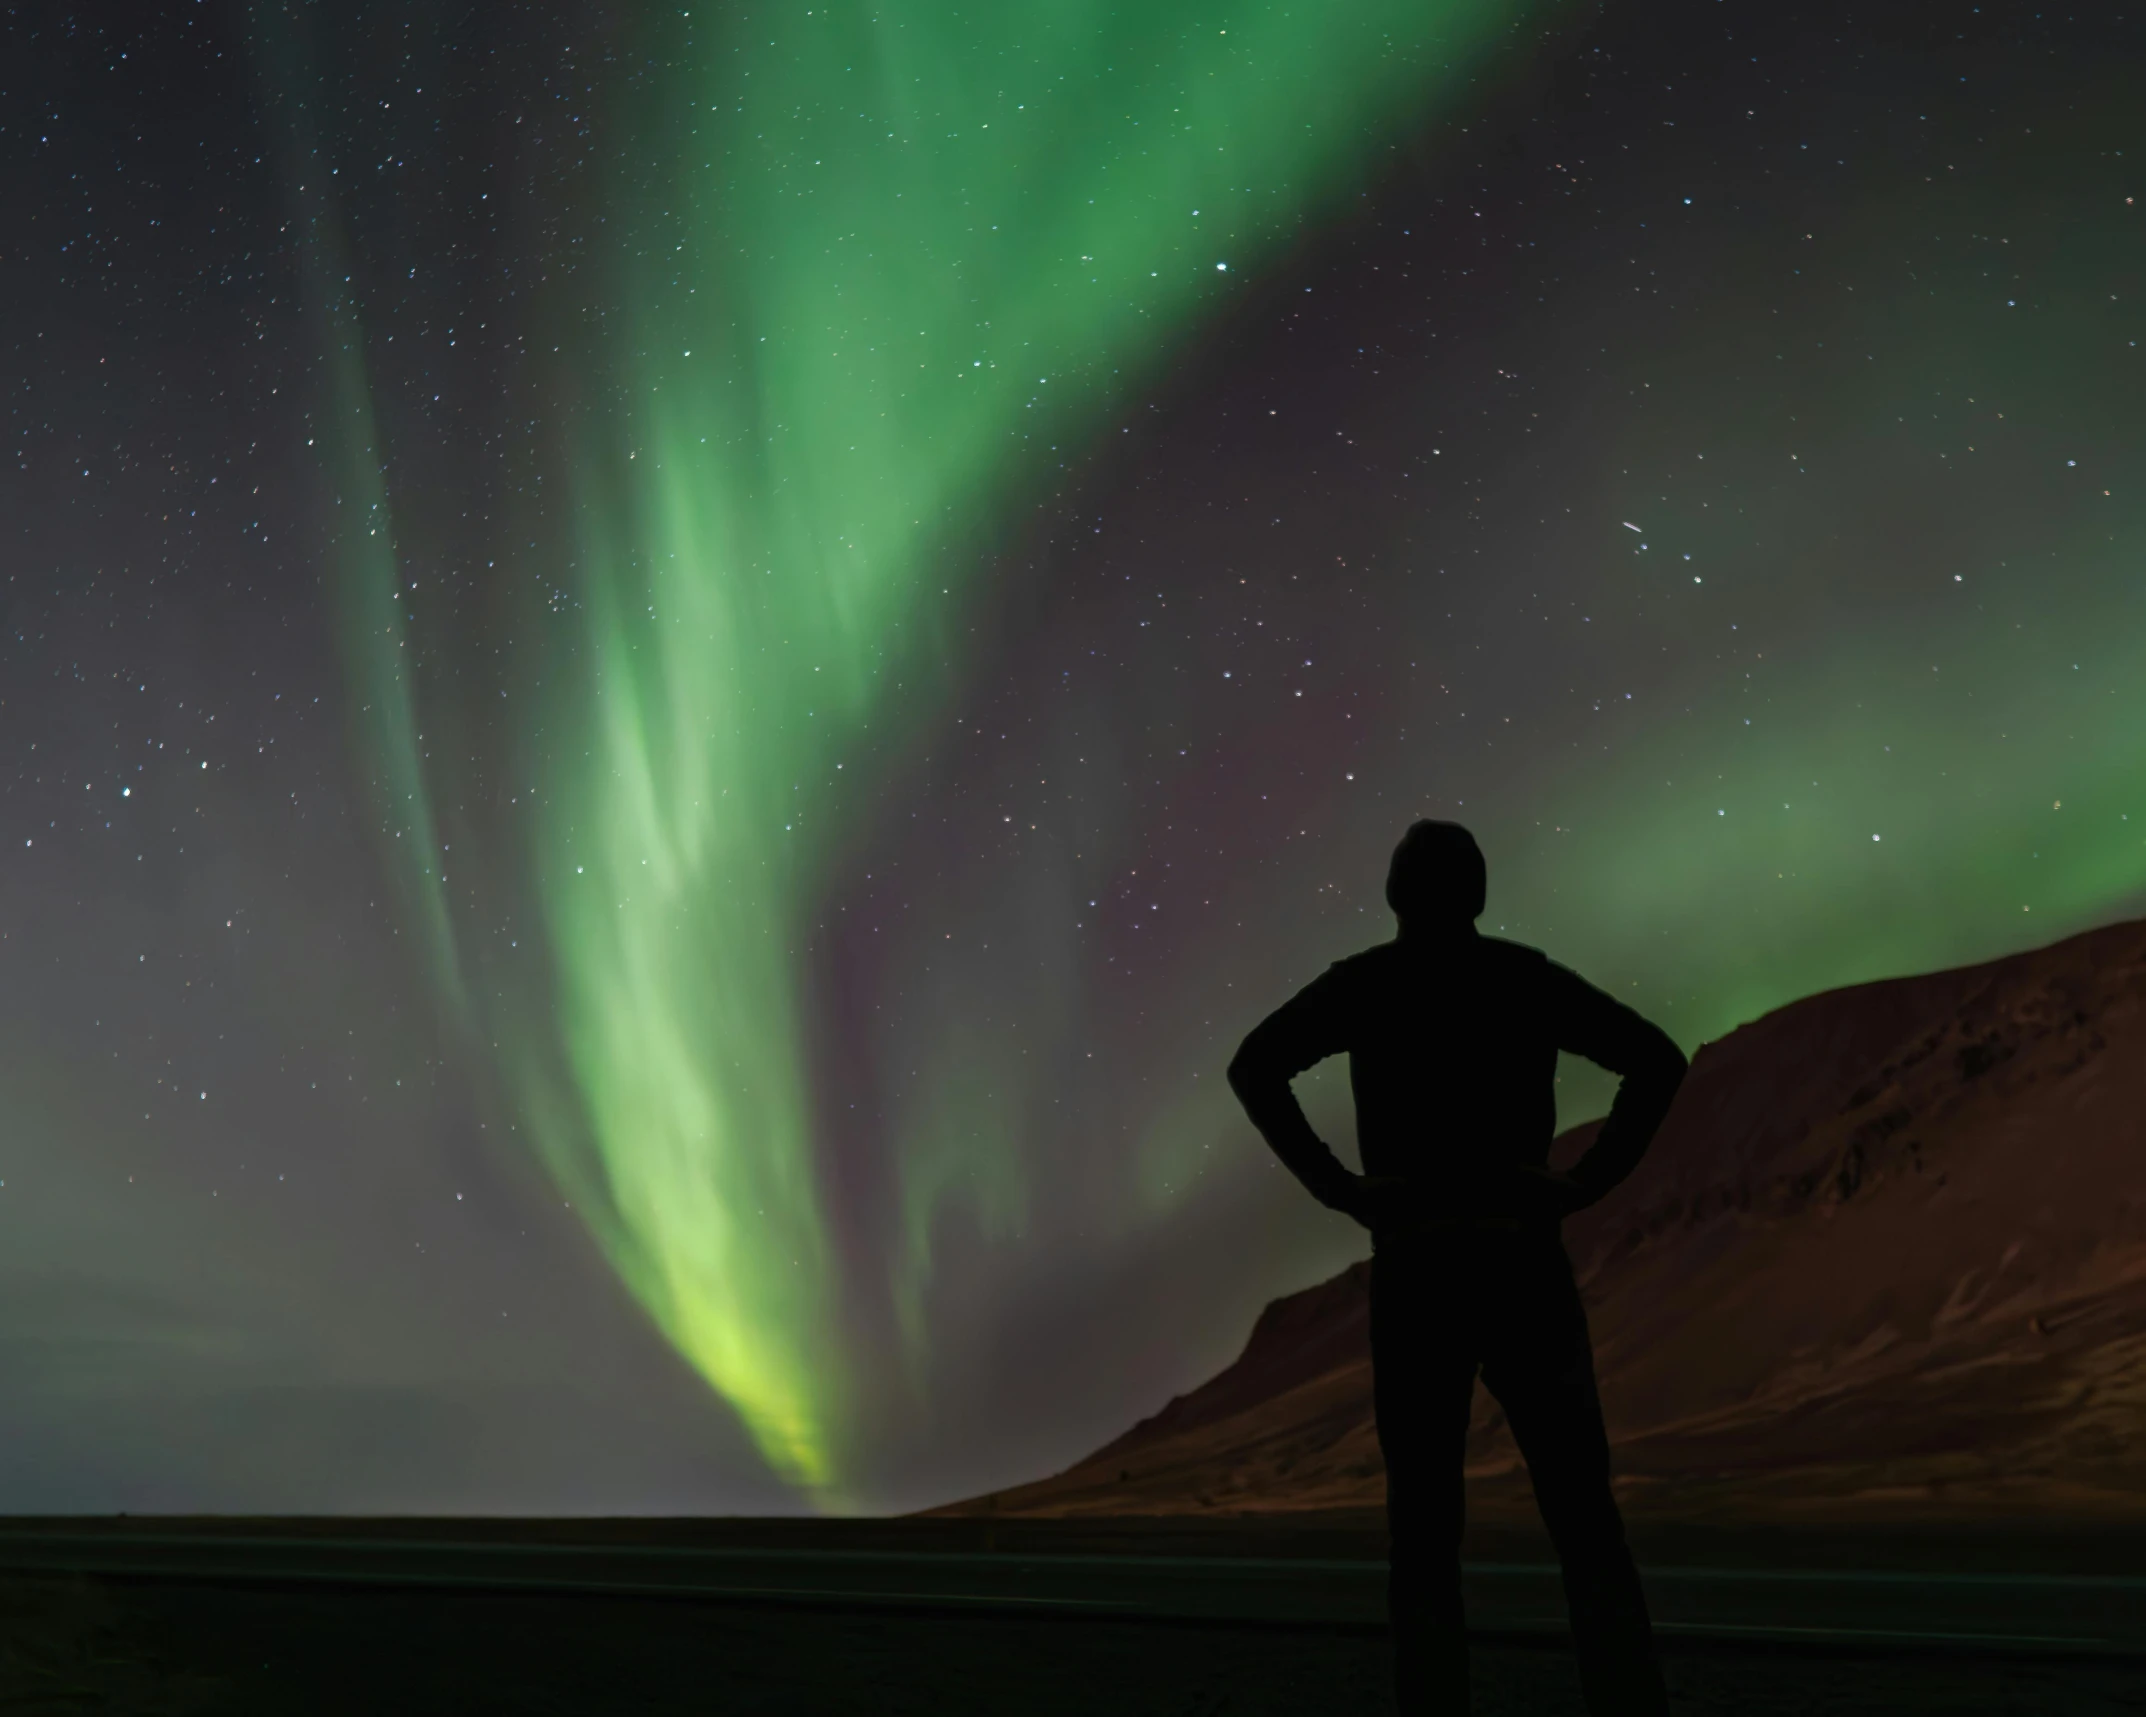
(872, 268)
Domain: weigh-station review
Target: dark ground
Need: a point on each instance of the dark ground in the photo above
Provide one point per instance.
(192, 1636)
(75, 1645)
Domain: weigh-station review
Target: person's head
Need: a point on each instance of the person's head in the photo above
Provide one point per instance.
(1437, 880)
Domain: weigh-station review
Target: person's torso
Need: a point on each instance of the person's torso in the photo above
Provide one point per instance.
(1452, 1058)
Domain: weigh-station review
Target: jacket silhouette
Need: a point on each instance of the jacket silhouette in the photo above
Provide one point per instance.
(1452, 1039)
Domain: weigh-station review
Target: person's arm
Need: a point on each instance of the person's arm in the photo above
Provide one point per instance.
(1612, 1035)
(1302, 1032)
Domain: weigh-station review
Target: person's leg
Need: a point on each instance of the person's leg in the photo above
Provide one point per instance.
(1540, 1366)
(1423, 1377)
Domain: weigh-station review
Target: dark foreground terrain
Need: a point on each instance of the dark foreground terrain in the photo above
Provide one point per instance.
(899, 1617)
(179, 1649)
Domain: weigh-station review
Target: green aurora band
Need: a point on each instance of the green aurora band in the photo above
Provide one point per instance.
(874, 267)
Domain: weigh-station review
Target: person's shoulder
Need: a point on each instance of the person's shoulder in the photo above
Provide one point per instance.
(1515, 954)
(1364, 963)
(1368, 970)
(1524, 969)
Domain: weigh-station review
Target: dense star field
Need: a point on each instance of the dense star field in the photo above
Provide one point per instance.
(671, 679)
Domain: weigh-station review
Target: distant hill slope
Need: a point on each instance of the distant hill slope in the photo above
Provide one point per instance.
(1888, 1253)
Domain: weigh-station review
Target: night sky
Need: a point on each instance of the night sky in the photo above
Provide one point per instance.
(671, 679)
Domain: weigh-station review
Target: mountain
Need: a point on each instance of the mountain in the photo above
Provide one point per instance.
(1888, 1254)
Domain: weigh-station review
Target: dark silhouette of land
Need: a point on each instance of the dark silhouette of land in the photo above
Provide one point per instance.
(1453, 1039)
(1182, 1617)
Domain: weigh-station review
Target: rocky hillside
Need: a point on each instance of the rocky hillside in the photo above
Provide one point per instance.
(1888, 1253)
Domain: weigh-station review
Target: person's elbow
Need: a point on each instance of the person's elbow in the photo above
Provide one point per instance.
(1244, 1071)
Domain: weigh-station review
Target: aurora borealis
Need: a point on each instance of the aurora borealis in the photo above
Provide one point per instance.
(853, 591)
(763, 520)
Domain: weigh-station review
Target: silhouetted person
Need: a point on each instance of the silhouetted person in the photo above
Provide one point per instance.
(1452, 1040)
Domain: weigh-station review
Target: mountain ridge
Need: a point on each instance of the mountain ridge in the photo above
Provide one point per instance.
(1887, 1255)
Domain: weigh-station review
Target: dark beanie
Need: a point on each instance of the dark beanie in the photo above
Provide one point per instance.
(1437, 875)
